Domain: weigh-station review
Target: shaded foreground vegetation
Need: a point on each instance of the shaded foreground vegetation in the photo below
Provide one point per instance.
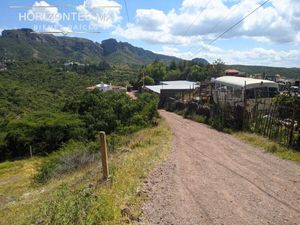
(77, 197)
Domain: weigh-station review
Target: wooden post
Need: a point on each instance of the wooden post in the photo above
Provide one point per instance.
(268, 121)
(30, 150)
(104, 155)
(292, 128)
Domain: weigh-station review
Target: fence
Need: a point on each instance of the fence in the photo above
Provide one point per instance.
(275, 122)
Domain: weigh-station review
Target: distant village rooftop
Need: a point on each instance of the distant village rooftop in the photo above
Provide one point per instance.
(232, 71)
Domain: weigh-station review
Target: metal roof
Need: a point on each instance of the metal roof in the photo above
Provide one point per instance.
(232, 71)
(240, 82)
(173, 85)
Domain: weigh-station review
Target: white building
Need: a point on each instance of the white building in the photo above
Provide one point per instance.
(104, 87)
(179, 89)
(177, 85)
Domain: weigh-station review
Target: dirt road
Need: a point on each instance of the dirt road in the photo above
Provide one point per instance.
(215, 178)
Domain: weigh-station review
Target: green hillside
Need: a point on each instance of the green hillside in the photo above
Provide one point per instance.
(284, 72)
(22, 44)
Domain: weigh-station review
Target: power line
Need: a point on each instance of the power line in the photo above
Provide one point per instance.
(126, 8)
(221, 21)
(237, 23)
(232, 10)
(234, 25)
(196, 18)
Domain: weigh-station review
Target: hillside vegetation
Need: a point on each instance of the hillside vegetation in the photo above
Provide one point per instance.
(284, 72)
(22, 44)
(43, 107)
(46, 108)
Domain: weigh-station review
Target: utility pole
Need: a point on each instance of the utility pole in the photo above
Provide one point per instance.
(143, 80)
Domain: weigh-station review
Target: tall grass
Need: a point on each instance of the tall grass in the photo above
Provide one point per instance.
(70, 157)
(269, 146)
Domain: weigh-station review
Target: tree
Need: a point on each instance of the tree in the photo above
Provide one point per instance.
(173, 65)
(147, 81)
(103, 65)
(173, 75)
(156, 70)
(219, 67)
(197, 73)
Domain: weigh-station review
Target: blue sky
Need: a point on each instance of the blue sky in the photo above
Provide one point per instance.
(271, 36)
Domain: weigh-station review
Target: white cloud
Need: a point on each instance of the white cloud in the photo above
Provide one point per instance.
(278, 22)
(50, 16)
(151, 19)
(99, 14)
(153, 36)
(43, 13)
(172, 51)
(197, 22)
(255, 56)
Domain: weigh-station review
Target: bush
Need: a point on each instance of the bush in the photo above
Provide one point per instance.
(44, 131)
(71, 156)
(112, 111)
(82, 118)
(217, 123)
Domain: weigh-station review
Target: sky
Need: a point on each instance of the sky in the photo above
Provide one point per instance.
(182, 28)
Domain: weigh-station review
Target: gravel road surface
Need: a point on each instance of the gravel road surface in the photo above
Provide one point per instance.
(215, 178)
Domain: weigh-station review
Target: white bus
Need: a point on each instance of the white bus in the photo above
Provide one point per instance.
(230, 90)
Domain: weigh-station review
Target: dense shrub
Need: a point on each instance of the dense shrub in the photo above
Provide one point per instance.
(83, 117)
(43, 131)
(71, 156)
(291, 103)
(112, 111)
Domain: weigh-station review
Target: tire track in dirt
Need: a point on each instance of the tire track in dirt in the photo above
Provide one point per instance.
(215, 178)
(245, 178)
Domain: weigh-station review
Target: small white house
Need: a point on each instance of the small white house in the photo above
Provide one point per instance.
(104, 87)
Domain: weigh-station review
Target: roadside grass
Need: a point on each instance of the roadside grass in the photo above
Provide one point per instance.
(21, 198)
(15, 178)
(79, 197)
(269, 146)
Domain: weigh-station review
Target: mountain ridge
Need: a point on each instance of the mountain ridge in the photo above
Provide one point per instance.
(23, 44)
(20, 44)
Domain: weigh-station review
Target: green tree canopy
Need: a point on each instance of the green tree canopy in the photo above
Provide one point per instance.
(157, 71)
